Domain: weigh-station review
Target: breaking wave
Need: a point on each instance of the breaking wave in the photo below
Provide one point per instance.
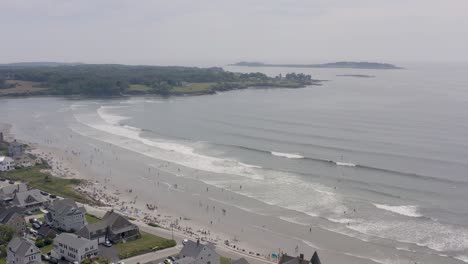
(287, 155)
(406, 210)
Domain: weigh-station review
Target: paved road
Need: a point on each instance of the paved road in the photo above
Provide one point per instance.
(161, 254)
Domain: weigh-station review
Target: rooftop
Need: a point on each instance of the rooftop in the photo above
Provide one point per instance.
(65, 206)
(20, 246)
(72, 240)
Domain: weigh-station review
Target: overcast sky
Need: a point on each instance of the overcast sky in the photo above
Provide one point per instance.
(216, 32)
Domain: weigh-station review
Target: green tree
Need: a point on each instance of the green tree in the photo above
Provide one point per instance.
(6, 234)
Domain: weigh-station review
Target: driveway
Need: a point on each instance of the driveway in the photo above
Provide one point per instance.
(110, 253)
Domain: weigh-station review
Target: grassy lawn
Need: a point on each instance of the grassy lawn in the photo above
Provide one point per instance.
(3, 261)
(22, 87)
(91, 219)
(145, 244)
(47, 248)
(192, 88)
(139, 88)
(225, 260)
(37, 179)
(37, 212)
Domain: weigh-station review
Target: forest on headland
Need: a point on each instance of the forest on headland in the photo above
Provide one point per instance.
(119, 80)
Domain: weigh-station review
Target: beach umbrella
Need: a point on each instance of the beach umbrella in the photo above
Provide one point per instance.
(315, 259)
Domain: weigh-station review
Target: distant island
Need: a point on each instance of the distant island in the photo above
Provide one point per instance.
(356, 75)
(51, 78)
(339, 65)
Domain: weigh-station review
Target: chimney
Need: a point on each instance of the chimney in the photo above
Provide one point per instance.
(301, 256)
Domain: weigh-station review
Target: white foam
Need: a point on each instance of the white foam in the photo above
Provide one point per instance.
(406, 210)
(110, 118)
(462, 258)
(342, 220)
(405, 249)
(424, 233)
(345, 164)
(250, 166)
(163, 150)
(287, 155)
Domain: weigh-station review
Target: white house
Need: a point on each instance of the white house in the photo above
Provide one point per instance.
(22, 251)
(74, 248)
(197, 253)
(65, 214)
(6, 163)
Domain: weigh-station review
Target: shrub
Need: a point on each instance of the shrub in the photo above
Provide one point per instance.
(40, 243)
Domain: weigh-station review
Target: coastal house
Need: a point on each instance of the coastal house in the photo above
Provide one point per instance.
(8, 190)
(30, 200)
(197, 253)
(285, 259)
(15, 149)
(46, 232)
(14, 218)
(113, 227)
(22, 251)
(6, 164)
(74, 248)
(66, 215)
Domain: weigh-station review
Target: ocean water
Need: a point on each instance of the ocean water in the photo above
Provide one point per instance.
(383, 157)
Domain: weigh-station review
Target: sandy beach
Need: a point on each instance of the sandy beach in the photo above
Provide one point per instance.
(128, 182)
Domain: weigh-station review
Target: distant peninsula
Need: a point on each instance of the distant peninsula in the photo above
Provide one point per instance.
(356, 75)
(50, 78)
(339, 65)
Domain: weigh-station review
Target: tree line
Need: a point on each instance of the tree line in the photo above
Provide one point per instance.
(112, 79)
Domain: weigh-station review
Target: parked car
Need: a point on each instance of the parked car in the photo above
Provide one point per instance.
(53, 196)
(167, 261)
(45, 257)
(185, 241)
(44, 193)
(36, 226)
(108, 243)
(28, 213)
(53, 260)
(171, 258)
(32, 220)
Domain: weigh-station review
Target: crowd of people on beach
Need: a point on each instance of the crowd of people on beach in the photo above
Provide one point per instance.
(107, 195)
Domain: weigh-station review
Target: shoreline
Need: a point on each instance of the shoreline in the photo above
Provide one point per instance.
(138, 94)
(178, 196)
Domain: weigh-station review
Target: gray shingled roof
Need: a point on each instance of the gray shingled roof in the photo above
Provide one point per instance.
(11, 188)
(187, 260)
(315, 259)
(191, 249)
(115, 221)
(240, 261)
(21, 246)
(71, 240)
(285, 259)
(7, 213)
(34, 194)
(65, 206)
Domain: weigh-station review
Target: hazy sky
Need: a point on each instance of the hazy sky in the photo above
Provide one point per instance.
(216, 32)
